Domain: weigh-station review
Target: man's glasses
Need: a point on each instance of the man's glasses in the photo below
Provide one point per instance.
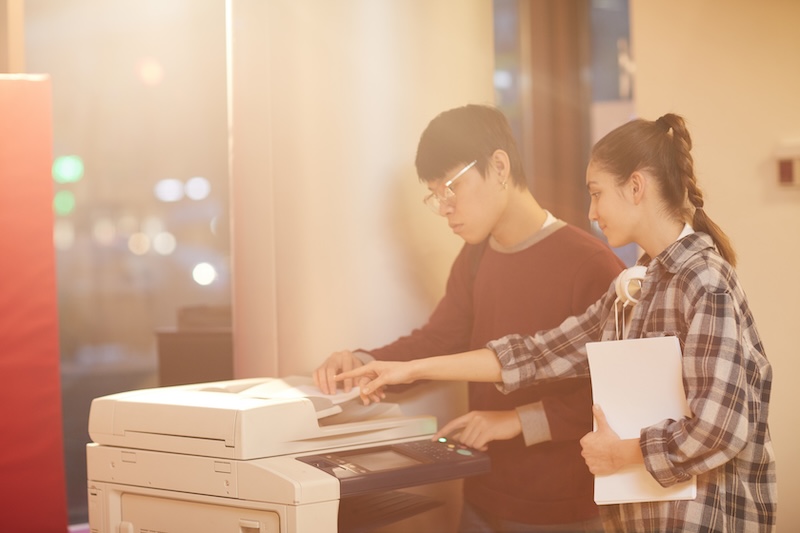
(435, 201)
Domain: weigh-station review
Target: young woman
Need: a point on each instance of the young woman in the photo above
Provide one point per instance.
(643, 190)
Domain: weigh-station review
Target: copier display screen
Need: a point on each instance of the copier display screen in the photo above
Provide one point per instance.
(381, 460)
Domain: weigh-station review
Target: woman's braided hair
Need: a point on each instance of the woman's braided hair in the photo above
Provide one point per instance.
(663, 148)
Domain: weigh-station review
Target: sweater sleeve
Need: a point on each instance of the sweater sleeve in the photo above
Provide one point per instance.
(449, 327)
(535, 427)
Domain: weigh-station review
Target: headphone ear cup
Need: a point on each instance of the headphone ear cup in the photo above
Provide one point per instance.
(622, 285)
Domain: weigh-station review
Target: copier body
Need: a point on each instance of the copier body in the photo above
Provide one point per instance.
(222, 457)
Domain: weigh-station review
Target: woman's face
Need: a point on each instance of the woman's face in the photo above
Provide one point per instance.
(611, 206)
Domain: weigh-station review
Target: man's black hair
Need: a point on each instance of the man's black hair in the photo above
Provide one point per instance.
(458, 136)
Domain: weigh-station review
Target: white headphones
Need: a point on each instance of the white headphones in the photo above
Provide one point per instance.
(629, 284)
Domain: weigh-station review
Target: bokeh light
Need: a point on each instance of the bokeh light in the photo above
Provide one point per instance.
(503, 79)
(67, 169)
(197, 188)
(63, 203)
(169, 190)
(164, 243)
(139, 243)
(204, 274)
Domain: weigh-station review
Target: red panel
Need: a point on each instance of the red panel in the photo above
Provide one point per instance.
(32, 485)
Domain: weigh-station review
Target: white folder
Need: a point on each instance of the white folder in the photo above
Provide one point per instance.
(638, 383)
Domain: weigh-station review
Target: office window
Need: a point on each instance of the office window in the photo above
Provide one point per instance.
(141, 187)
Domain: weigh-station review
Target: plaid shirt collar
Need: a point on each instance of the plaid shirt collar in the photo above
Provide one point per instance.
(678, 253)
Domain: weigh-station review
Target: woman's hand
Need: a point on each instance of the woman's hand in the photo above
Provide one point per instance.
(374, 376)
(603, 450)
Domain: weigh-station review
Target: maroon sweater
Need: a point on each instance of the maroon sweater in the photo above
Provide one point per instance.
(494, 294)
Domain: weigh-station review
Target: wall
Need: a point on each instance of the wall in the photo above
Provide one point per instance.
(333, 247)
(731, 68)
(12, 48)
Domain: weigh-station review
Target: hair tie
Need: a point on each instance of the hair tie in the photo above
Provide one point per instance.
(663, 124)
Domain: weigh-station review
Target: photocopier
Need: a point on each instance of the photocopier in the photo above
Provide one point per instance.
(260, 455)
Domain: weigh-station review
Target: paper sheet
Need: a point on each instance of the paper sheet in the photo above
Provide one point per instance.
(302, 387)
(638, 383)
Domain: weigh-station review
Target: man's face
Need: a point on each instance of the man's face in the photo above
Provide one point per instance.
(470, 203)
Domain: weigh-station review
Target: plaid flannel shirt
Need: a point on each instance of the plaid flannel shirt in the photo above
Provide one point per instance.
(691, 292)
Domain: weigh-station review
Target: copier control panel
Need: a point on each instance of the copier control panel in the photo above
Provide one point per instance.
(400, 465)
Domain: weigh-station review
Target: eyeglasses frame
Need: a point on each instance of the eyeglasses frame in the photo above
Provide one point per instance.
(434, 201)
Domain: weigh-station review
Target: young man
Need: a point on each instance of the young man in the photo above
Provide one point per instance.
(520, 271)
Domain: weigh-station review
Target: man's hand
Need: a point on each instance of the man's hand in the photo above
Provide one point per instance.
(479, 428)
(336, 363)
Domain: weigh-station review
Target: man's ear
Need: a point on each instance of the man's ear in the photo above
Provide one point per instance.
(501, 165)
